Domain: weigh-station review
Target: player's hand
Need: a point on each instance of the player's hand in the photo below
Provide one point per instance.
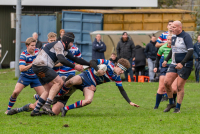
(155, 70)
(101, 72)
(179, 66)
(164, 64)
(79, 68)
(133, 104)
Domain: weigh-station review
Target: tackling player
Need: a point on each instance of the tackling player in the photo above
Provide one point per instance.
(43, 64)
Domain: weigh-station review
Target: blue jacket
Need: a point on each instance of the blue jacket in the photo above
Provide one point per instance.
(98, 49)
(196, 51)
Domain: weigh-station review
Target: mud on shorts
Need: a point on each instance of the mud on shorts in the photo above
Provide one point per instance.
(44, 73)
(183, 72)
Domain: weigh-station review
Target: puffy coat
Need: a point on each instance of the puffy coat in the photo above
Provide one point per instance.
(125, 49)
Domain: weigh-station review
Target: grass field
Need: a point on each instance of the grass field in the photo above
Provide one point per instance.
(109, 113)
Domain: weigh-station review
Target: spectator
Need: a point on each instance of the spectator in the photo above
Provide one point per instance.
(197, 58)
(140, 61)
(150, 53)
(38, 43)
(114, 58)
(98, 48)
(62, 32)
(126, 49)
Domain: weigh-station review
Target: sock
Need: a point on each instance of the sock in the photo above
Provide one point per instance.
(171, 101)
(11, 102)
(165, 94)
(48, 102)
(24, 108)
(158, 99)
(174, 97)
(75, 105)
(178, 105)
(40, 103)
(63, 90)
(36, 96)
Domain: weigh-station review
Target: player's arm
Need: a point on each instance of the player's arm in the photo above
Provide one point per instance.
(22, 64)
(77, 60)
(123, 93)
(23, 68)
(159, 54)
(93, 64)
(58, 65)
(159, 44)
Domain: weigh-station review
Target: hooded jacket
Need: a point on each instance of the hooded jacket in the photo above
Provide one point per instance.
(98, 49)
(140, 58)
(125, 49)
(151, 50)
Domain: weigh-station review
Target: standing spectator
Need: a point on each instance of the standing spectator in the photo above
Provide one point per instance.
(150, 53)
(38, 43)
(62, 32)
(126, 49)
(98, 48)
(197, 58)
(140, 61)
(114, 58)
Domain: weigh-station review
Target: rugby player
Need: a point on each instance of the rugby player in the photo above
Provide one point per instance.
(162, 39)
(181, 65)
(88, 81)
(27, 76)
(165, 49)
(43, 64)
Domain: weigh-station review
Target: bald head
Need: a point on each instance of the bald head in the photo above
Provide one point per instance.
(35, 35)
(177, 27)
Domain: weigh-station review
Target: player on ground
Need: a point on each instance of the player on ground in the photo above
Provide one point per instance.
(43, 64)
(27, 76)
(165, 49)
(88, 81)
(181, 65)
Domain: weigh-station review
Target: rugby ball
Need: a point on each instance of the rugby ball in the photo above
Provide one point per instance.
(101, 67)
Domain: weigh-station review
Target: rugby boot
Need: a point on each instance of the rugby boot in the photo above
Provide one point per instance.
(35, 114)
(48, 109)
(177, 110)
(169, 106)
(12, 111)
(63, 112)
(164, 98)
(155, 107)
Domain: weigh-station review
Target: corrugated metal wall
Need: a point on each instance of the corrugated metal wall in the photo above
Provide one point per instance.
(7, 35)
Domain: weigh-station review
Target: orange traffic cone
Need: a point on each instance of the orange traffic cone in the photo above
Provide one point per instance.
(129, 78)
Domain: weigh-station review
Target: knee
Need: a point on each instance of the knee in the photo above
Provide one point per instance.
(15, 94)
(68, 83)
(89, 101)
(179, 88)
(167, 84)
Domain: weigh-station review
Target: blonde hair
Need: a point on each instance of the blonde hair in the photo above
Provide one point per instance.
(51, 35)
(29, 40)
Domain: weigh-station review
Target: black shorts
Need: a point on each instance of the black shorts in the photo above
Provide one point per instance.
(44, 73)
(183, 72)
(66, 97)
(163, 70)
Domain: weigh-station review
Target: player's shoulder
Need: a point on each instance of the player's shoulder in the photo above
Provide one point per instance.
(25, 53)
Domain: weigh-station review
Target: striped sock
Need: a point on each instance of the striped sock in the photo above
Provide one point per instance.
(48, 102)
(40, 103)
(36, 96)
(24, 108)
(75, 105)
(63, 90)
(11, 103)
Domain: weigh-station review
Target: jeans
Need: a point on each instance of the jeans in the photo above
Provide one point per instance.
(161, 61)
(151, 66)
(197, 67)
(130, 71)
